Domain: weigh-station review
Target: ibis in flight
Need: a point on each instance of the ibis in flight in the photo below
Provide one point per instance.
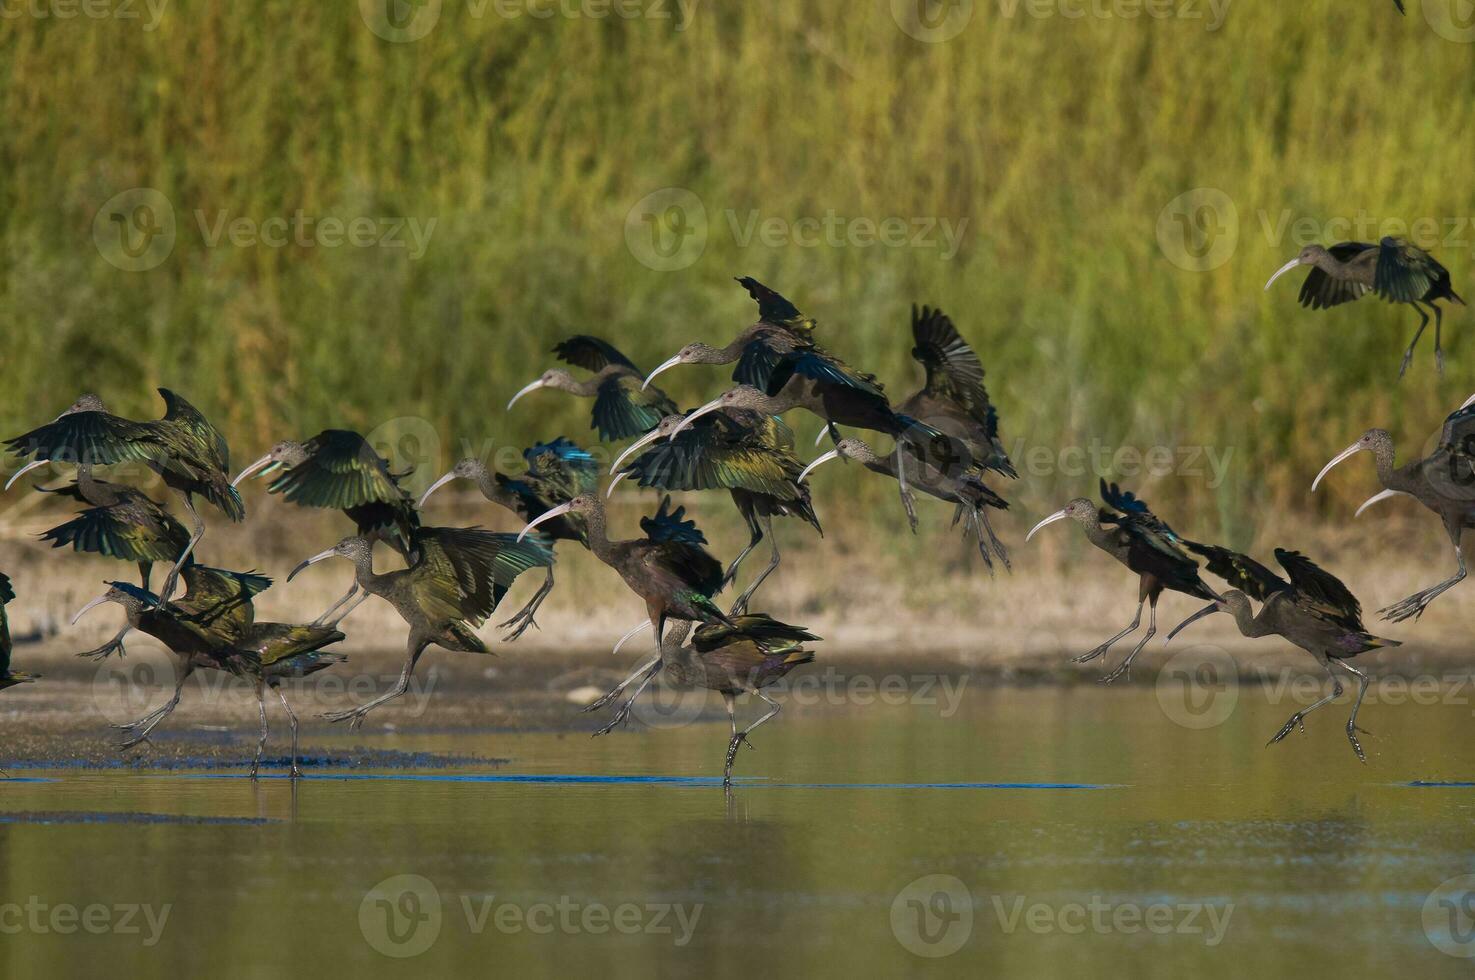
(624, 405)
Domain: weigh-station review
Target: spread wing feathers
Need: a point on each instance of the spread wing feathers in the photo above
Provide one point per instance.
(89, 437)
(462, 573)
(758, 627)
(1321, 590)
(953, 368)
(287, 650)
(1134, 511)
(623, 410)
(1240, 571)
(824, 368)
(341, 470)
(1321, 291)
(591, 353)
(667, 525)
(676, 548)
(775, 309)
(718, 456)
(1151, 545)
(756, 362)
(564, 465)
(1405, 272)
(124, 531)
(1454, 459)
(205, 443)
(220, 601)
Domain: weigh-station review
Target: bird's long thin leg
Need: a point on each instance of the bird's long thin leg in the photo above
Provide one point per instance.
(172, 579)
(524, 617)
(1415, 604)
(1408, 355)
(1101, 650)
(739, 738)
(730, 703)
(352, 590)
(261, 741)
(355, 716)
(1299, 716)
(358, 601)
(138, 731)
(1125, 667)
(619, 688)
(740, 607)
(622, 713)
(1352, 728)
(1438, 349)
(755, 535)
(292, 717)
(975, 525)
(908, 499)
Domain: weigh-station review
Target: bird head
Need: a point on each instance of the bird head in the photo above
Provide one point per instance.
(1080, 510)
(584, 503)
(469, 468)
(130, 597)
(552, 378)
(855, 449)
(355, 549)
(664, 429)
(690, 354)
(740, 396)
(285, 453)
(1310, 255)
(1375, 441)
(1232, 601)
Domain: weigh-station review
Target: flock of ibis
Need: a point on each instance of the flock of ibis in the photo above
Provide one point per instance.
(448, 581)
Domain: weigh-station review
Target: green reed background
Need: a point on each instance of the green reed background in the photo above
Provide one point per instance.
(529, 141)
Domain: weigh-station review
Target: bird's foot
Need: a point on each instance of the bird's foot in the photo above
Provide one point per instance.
(1125, 670)
(1411, 608)
(1408, 359)
(621, 716)
(1287, 728)
(603, 700)
(354, 717)
(521, 622)
(1088, 657)
(255, 769)
(296, 772)
(1352, 731)
(131, 740)
(105, 651)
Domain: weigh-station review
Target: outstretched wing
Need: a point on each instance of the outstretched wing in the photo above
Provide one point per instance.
(591, 353)
(667, 525)
(1405, 272)
(624, 410)
(1321, 590)
(341, 470)
(775, 309)
(563, 465)
(758, 627)
(1321, 291)
(953, 368)
(1240, 571)
(220, 601)
(824, 368)
(714, 454)
(679, 550)
(88, 437)
(462, 573)
(206, 442)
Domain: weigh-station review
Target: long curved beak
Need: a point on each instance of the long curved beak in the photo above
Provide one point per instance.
(832, 454)
(320, 556)
(435, 486)
(1468, 402)
(544, 518)
(1293, 263)
(614, 483)
(1380, 495)
(630, 633)
(1349, 451)
(525, 389)
(81, 612)
(260, 464)
(1059, 515)
(1208, 610)
(635, 447)
(821, 437)
(33, 464)
(695, 414)
(669, 362)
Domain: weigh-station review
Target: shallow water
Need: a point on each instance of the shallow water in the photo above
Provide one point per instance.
(1075, 829)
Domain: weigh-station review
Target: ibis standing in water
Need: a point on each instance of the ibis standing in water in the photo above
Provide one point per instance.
(8, 677)
(183, 448)
(1314, 610)
(624, 406)
(458, 577)
(749, 454)
(1443, 481)
(338, 469)
(1393, 269)
(1134, 536)
(557, 472)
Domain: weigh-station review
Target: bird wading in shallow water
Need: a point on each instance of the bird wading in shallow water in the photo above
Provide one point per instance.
(1134, 536)
(8, 677)
(1393, 269)
(624, 406)
(1313, 610)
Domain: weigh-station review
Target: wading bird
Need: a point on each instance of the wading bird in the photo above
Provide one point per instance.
(121, 523)
(338, 469)
(749, 454)
(669, 568)
(458, 578)
(217, 631)
(8, 677)
(624, 407)
(183, 448)
(557, 472)
(1134, 536)
(1314, 610)
(1443, 481)
(1393, 269)
(965, 489)
(752, 653)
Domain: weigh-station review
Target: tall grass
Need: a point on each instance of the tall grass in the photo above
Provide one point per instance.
(528, 141)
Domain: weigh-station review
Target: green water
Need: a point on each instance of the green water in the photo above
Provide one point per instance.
(1203, 853)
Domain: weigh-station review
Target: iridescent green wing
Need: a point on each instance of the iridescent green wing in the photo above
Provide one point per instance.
(758, 627)
(275, 643)
(714, 454)
(824, 368)
(205, 444)
(88, 437)
(342, 470)
(1405, 272)
(625, 410)
(220, 601)
(562, 468)
(462, 573)
(679, 551)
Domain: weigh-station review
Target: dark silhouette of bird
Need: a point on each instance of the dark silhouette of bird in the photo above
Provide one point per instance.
(1443, 481)
(754, 652)
(1393, 269)
(746, 453)
(1137, 538)
(964, 488)
(557, 472)
(8, 676)
(183, 448)
(458, 577)
(1313, 610)
(669, 568)
(624, 407)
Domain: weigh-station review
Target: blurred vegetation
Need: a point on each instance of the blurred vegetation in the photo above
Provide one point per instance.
(529, 141)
